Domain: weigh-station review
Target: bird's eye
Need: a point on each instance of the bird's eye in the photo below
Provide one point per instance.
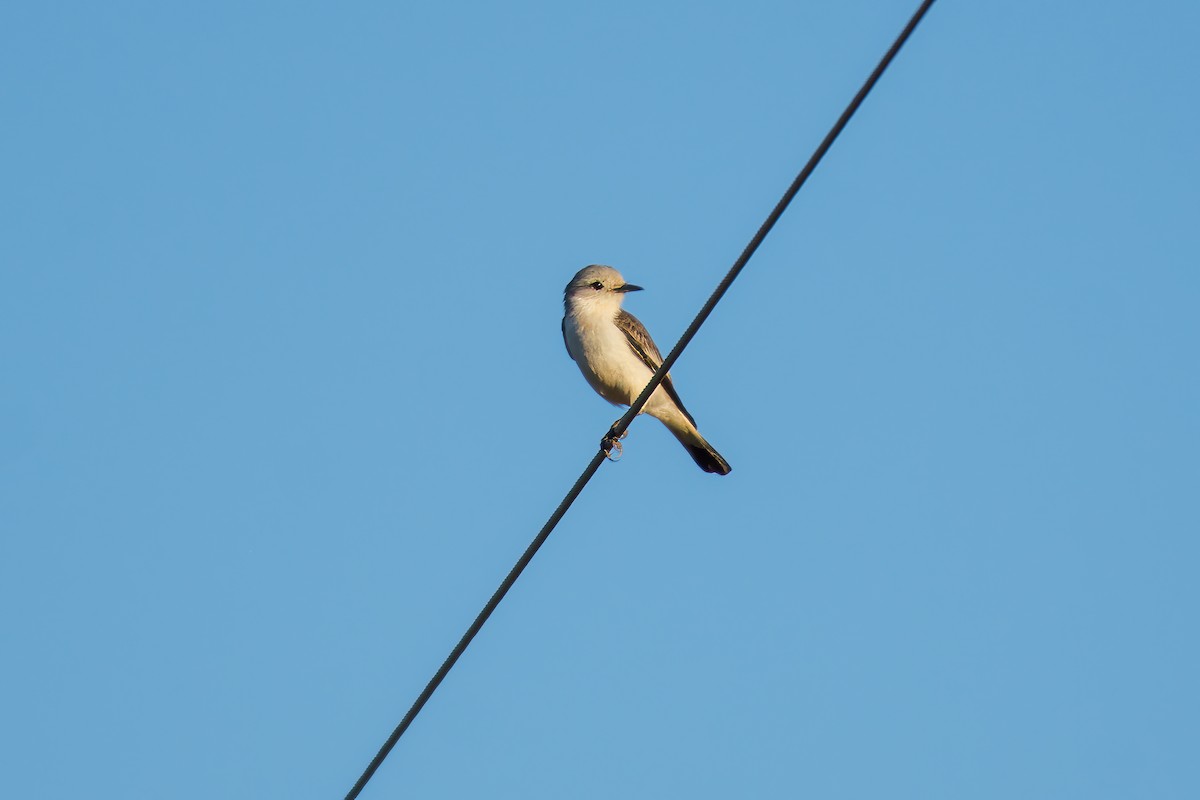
(597, 285)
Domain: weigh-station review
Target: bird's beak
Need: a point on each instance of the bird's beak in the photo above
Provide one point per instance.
(629, 287)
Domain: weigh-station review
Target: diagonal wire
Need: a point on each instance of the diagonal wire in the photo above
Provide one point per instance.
(507, 584)
(621, 425)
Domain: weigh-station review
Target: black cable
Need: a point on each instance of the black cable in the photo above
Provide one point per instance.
(621, 425)
(459, 648)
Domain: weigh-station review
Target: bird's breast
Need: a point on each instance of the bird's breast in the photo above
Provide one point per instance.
(604, 357)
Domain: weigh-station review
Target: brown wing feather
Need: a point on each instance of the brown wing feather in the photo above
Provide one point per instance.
(641, 343)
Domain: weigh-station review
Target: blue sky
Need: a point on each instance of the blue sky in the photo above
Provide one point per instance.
(285, 397)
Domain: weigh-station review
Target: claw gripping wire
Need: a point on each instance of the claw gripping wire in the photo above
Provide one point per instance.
(608, 444)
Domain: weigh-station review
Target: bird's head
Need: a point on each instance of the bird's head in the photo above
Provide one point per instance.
(596, 286)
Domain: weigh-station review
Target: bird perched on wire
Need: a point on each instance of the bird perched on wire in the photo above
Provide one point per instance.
(617, 357)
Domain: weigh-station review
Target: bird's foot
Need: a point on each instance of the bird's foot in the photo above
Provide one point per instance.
(611, 443)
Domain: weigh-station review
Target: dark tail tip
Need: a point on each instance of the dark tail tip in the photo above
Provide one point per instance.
(708, 459)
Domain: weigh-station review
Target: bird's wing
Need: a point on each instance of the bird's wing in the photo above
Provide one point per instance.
(564, 330)
(641, 343)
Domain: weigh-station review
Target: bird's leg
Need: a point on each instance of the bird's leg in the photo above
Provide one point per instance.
(611, 442)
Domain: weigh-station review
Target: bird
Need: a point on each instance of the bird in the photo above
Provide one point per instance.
(616, 355)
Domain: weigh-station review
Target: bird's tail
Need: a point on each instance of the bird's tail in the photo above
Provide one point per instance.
(703, 453)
